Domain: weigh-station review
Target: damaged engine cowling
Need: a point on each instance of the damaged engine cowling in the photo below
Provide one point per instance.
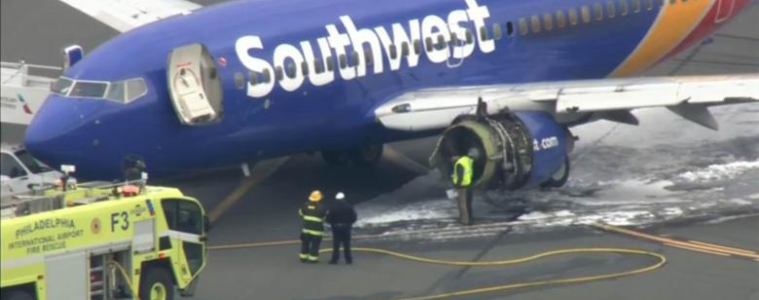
(515, 149)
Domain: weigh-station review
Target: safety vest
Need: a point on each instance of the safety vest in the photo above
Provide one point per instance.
(467, 163)
(313, 218)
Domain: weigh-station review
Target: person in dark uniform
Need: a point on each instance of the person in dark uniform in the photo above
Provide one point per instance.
(341, 217)
(313, 213)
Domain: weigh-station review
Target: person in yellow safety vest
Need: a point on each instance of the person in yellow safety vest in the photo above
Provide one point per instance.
(313, 213)
(463, 169)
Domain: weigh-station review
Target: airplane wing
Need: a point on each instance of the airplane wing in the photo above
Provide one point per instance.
(610, 99)
(124, 15)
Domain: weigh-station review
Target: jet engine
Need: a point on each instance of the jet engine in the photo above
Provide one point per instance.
(513, 150)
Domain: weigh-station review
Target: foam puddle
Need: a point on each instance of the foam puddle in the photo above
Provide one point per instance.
(720, 172)
(636, 201)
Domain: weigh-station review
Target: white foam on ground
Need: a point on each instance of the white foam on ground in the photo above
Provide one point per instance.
(428, 210)
(720, 172)
(739, 202)
(631, 192)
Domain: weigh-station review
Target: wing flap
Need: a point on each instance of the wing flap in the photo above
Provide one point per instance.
(589, 100)
(611, 99)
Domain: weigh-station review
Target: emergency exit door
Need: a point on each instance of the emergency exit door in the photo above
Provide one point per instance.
(194, 85)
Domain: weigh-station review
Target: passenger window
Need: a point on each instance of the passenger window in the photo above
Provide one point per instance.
(636, 6)
(497, 34)
(572, 16)
(535, 21)
(330, 64)
(610, 9)
(484, 34)
(650, 4)
(441, 44)
(428, 44)
(239, 80)
(509, 28)
(319, 66)
(368, 57)
(404, 49)
(291, 70)
(278, 74)
(523, 29)
(354, 59)
(561, 20)
(598, 11)
(585, 11)
(393, 52)
(267, 76)
(10, 167)
(343, 61)
(469, 37)
(548, 21)
(623, 9)
(135, 88)
(253, 78)
(417, 47)
(304, 68)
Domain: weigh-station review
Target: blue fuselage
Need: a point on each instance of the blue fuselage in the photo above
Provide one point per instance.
(297, 113)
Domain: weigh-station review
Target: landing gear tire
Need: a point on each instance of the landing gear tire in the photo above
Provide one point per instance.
(559, 178)
(157, 285)
(368, 155)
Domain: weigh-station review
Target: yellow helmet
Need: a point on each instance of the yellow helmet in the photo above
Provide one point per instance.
(316, 196)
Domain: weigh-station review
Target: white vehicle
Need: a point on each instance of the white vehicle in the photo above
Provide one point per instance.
(22, 173)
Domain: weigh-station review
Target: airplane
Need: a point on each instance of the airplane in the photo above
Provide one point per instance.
(185, 88)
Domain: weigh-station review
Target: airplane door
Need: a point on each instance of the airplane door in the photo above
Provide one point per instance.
(724, 10)
(194, 85)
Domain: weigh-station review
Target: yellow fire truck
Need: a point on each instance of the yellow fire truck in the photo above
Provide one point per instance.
(102, 243)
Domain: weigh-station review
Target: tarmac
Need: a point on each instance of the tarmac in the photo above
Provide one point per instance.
(275, 273)
(255, 210)
(267, 213)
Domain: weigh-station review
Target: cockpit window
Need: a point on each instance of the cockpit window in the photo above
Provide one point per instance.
(116, 92)
(135, 89)
(62, 86)
(124, 91)
(89, 89)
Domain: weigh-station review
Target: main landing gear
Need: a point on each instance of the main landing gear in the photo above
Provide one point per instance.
(367, 155)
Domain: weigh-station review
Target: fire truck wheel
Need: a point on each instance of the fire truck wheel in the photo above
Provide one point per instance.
(157, 285)
(17, 295)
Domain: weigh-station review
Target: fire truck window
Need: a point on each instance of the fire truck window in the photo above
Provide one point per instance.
(184, 216)
(189, 218)
(170, 210)
(194, 254)
(10, 167)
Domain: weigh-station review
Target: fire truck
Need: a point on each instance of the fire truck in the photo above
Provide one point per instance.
(124, 241)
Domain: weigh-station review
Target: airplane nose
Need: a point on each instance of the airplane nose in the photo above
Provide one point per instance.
(53, 135)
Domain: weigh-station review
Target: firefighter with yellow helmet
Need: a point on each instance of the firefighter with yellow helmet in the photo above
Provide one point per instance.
(313, 213)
